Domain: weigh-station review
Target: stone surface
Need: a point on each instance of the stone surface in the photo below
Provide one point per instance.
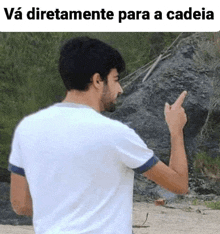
(7, 215)
(4, 175)
(142, 104)
(142, 108)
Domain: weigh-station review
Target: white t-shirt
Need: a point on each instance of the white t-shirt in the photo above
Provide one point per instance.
(79, 167)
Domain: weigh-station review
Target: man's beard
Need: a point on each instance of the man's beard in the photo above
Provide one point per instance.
(110, 107)
(108, 104)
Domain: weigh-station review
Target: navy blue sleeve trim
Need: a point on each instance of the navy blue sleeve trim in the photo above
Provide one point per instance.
(148, 165)
(16, 170)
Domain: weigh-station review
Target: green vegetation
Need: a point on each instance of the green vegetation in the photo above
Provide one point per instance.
(29, 79)
(207, 165)
(215, 205)
(196, 202)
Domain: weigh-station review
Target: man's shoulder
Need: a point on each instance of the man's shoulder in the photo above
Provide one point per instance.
(33, 118)
(113, 122)
(116, 126)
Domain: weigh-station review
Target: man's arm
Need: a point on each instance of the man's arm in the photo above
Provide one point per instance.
(21, 200)
(175, 176)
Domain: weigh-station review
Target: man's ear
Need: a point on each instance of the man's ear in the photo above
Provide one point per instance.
(97, 81)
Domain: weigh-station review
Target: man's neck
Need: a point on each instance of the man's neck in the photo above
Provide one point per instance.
(83, 98)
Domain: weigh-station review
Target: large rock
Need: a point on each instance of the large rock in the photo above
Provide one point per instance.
(142, 107)
(4, 175)
(143, 103)
(7, 215)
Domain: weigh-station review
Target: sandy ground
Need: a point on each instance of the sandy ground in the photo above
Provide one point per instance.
(175, 219)
(151, 219)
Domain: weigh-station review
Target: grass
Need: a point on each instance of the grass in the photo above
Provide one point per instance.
(215, 205)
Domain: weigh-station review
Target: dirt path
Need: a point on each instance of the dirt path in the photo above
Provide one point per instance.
(169, 219)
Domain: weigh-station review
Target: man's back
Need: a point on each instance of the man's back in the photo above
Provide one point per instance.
(78, 180)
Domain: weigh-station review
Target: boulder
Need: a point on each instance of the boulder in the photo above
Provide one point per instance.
(4, 175)
(142, 104)
(141, 107)
(7, 215)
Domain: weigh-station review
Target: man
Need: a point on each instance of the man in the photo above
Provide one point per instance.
(73, 168)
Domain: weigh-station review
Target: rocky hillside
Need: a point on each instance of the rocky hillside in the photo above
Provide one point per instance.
(192, 65)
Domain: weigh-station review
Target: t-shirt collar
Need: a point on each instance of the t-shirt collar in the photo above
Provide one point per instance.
(72, 104)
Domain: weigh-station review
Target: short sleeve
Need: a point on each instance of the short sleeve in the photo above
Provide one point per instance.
(133, 152)
(15, 164)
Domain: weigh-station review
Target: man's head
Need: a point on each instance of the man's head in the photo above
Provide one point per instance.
(85, 61)
(82, 57)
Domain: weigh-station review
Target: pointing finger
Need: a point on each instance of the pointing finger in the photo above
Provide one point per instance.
(166, 108)
(179, 101)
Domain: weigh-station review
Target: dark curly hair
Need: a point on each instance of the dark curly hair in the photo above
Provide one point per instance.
(82, 57)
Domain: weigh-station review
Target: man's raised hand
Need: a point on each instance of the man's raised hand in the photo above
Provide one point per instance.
(175, 114)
